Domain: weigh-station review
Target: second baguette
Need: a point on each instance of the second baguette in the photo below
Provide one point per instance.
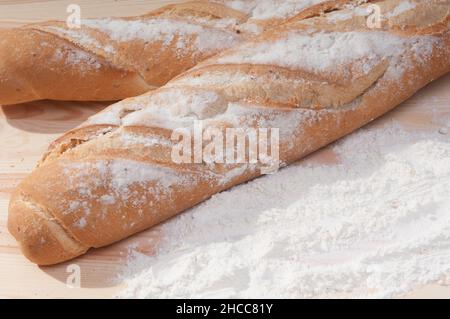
(115, 58)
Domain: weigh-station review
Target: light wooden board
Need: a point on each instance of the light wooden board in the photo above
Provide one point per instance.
(26, 130)
(17, 12)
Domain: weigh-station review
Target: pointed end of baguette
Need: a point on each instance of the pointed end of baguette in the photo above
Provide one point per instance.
(42, 240)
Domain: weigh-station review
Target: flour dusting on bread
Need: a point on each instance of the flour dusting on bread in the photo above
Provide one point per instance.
(323, 51)
(163, 30)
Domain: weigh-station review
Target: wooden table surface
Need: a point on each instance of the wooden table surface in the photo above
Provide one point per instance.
(26, 130)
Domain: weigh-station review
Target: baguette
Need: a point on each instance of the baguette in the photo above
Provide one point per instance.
(116, 58)
(315, 80)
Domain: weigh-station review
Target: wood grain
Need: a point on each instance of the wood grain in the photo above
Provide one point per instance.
(27, 129)
(15, 13)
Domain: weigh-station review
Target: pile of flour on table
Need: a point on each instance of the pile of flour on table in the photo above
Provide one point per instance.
(376, 224)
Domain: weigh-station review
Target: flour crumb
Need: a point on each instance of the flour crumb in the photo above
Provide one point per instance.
(444, 130)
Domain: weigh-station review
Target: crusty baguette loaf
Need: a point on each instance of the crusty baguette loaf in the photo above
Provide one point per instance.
(316, 80)
(116, 58)
(110, 59)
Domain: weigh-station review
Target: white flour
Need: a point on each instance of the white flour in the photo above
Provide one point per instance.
(164, 30)
(269, 9)
(375, 225)
(324, 50)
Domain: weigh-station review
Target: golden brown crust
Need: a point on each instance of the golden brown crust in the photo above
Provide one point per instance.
(51, 61)
(120, 178)
(28, 71)
(116, 58)
(199, 9)
(42, 239)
